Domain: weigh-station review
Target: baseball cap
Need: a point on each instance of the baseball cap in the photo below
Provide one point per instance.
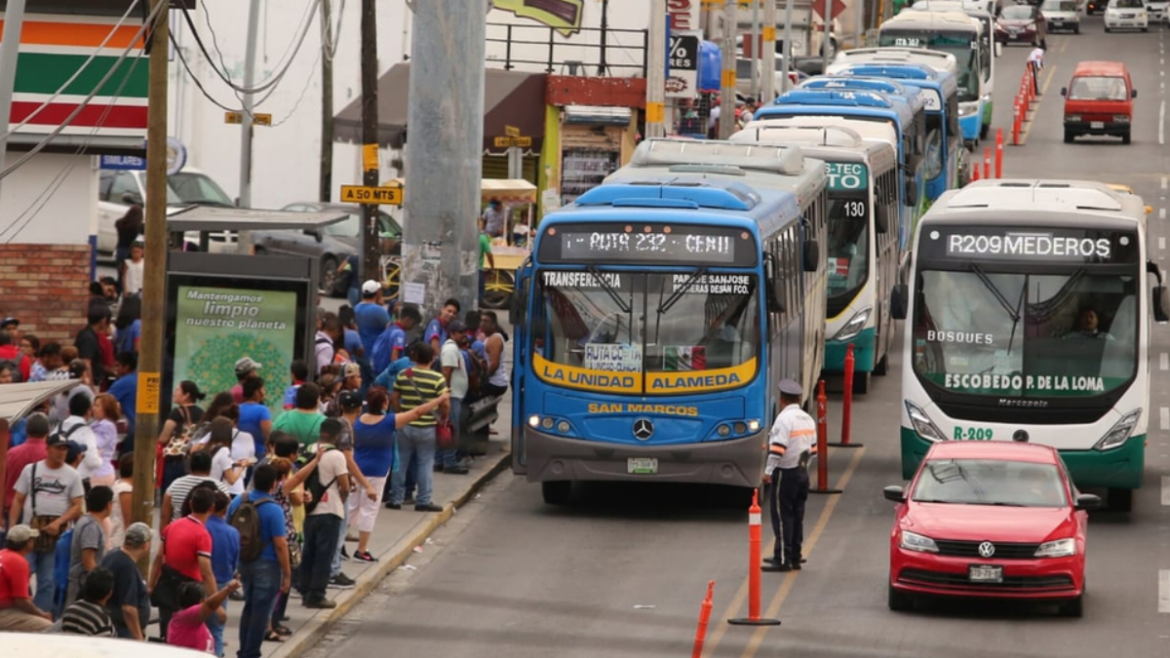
(75, 449)
(350, 400)
(9, 321)
(371, 288)
(246, 365)
(351, 370)
(791, 387)
(138, 534)
(18, 534)
(57, 440)
(455, 327)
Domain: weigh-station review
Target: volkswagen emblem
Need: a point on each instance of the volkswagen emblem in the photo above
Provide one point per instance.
(643, 429)
(986, 549)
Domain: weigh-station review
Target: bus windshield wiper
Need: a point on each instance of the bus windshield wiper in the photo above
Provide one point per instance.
(609, 289)
(669, 302)
(1013, 313)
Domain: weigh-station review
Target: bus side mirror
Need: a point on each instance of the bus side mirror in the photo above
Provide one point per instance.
(773, 285)
(900, 301)
(881, 218)
(911, 192)
(1161, 304)
(811, 256)
(1064, 91)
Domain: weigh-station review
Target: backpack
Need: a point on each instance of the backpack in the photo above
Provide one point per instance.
(246, 520)
(69, 432)
(313, 481)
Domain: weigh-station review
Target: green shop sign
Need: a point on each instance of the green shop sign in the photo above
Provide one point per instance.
(847, 176)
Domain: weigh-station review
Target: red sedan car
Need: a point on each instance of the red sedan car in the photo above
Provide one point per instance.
(990, 519)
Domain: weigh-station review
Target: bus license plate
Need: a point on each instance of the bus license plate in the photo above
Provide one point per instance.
(1097, 124)
(982, 573)
(642, 465)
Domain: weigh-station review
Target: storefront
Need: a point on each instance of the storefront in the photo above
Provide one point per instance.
(594, 143)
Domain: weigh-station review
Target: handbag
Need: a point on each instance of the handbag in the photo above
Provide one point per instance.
(44, 543)
(444, 429)
(166, 592)
(180, 439)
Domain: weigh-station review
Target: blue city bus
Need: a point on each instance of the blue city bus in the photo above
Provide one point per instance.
(945, 155)
(874, 107)
(652, 325)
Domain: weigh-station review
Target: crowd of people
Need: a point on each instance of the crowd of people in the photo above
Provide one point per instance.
(254, 506)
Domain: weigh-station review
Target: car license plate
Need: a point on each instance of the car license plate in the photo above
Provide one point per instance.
(1096, 124)
(642, 465)
(985, 573)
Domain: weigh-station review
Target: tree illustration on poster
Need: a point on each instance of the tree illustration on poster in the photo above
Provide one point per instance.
(214, 327)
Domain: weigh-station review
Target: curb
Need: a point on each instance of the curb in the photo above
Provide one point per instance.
(316, 628)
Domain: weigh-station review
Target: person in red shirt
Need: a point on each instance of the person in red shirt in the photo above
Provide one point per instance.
(10, 351)
(31, 451)
(185, 555)
(17, 611)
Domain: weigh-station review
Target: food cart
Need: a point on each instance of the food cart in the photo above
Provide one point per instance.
(509, 251)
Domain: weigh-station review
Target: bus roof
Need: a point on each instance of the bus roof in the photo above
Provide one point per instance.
(869, 130)
(885, 86)
(971, 9)
(853, 102)
(909, 74)
(935, 59)
(828, 143)
(958, 21)
(1046, 202)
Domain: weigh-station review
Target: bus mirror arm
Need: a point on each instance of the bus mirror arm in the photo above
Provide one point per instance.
(812, 256)
(899, 301)
(1152, 268)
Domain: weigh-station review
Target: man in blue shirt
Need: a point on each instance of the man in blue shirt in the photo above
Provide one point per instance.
(391, 344)
(371, 315)
(436, 333)
(225, 557)
(270, 573)
(125, 388)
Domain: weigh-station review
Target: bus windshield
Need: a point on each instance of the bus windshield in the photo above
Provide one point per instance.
(848, 247)
(646, 322)
(963, 45)
(1072, 334)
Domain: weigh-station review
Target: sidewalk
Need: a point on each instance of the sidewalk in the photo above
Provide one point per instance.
(394, 539)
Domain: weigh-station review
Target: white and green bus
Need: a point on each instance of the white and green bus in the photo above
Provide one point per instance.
(863, 254)
(1029, 314)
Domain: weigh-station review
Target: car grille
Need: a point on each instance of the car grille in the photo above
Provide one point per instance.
(971, 549)
(1127, 16)
(959, 581)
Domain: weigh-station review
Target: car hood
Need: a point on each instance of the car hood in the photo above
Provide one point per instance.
(1119, 10)
(1028, 525)
(1060, 15)
(1017, 22)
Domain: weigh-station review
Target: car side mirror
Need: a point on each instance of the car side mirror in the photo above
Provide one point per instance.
(900, 301)
(1133, 93)
(894, 494)
(313, 233)
(1064, 91)
(237, 202)
(1088, 502)
(812, 256)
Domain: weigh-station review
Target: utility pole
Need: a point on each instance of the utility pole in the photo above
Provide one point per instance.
(825, 41)
(444, 152)
(785, 82)
(9, 51)
(327, 45)
(371, 240)
(245, 240)
(757, 51)
(859, 21)
(603, 58)
(768, 51)
(150, 352)
(727, 91)
(656, 72)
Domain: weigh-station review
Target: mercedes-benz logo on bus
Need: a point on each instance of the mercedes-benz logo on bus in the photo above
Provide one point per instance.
(986, 549)
(643, 429)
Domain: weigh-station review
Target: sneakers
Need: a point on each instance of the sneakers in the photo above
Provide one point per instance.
(393, 505)
(429, 507)
(344, 554)
(408, 500)
(457, 470)
(342, 581)
(364, 556)
(321, 604)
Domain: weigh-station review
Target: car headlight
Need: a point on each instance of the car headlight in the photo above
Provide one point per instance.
(923, 425)
(1057, 548)
(1120, 432)
(854, 326)
(967, 109)
(1120, 118)
(912, 541)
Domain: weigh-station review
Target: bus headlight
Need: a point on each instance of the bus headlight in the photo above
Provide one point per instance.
(563, 427)
(967, 109)
(547, 423)
(753, 426)
(923, 425)
(855, 325)
(724, 430)
(1120, 118)
(534, 421)
(1120, 432)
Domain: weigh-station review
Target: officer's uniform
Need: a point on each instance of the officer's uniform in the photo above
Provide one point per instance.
(792, 443)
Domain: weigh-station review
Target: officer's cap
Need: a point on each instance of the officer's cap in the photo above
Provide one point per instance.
(791, 387)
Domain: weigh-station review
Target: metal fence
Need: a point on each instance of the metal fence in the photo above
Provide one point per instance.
(588, 51)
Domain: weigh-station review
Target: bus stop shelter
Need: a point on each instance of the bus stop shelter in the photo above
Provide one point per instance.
(17, 400)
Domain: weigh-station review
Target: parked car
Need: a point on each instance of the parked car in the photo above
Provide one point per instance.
(1099, 101)
(332, 244)
(1020, 24)
(1061, 15)
(1094, 6)
(990, 519)
(118, 189)
(1126, 15)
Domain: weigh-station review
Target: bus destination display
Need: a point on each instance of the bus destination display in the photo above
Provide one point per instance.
(673, 244)
(1039, 245)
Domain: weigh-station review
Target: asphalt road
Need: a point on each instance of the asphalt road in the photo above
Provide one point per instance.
(622, 572)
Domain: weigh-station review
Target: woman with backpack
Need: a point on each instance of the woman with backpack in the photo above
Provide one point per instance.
(178, 431)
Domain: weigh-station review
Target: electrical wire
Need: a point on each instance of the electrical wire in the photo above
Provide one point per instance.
(335, 39)
(305, 89)
(76, 74)
(84, 103)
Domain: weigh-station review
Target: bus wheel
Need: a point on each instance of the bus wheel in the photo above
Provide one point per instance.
(985, 131)
(556, 493)
(881, 368)
(1120, 500)
(861, 382)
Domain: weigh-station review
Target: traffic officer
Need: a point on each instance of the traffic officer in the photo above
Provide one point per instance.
(791, 445)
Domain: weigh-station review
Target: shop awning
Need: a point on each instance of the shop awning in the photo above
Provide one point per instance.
(511, 98)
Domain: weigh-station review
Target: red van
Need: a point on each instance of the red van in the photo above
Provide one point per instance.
(1098, 101)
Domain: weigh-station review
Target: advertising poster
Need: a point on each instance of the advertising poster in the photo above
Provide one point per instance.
(214, 327)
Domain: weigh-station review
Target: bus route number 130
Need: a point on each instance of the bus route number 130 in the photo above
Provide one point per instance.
(972, 433)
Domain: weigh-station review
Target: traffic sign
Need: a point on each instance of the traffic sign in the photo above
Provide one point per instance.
(237, 118)
(380, 196)
(819, 7)
(510, 141)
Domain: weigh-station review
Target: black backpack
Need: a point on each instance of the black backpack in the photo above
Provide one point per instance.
(246, 520)
(313, 483)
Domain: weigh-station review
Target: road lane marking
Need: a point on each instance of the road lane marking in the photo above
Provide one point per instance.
(790, 580)
(1162, 122)
(1161, 213)
(1164, 361)
(1164, 591)
(1164, 412)
(1166, 489)
(1036, 109)
(1161, 243)
(1163, 182)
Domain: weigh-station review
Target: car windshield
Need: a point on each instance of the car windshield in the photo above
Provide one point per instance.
(1059, 5)
(646, 322)
(198, 188)
(990, 482)
(1017, 13)
(1127, 4)
(1098, 89)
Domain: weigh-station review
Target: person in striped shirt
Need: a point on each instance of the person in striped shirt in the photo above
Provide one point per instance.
(88, 616)
(414, 386)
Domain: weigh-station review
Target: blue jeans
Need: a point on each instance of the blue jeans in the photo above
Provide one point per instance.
(335, 566)
(317, 555)
(261, 585)
(415, 442)
(41, 565)
(450, 458)
(213, 624)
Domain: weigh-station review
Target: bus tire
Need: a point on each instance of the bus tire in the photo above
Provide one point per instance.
(984, 131)
(556, 492)
(881, 368)
(861, 382)
(1120, 500)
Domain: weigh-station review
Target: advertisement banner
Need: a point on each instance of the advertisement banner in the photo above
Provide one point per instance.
(683, 79)
(214, 327)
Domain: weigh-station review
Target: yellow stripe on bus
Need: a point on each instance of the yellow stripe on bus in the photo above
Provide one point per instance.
(601, 381)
